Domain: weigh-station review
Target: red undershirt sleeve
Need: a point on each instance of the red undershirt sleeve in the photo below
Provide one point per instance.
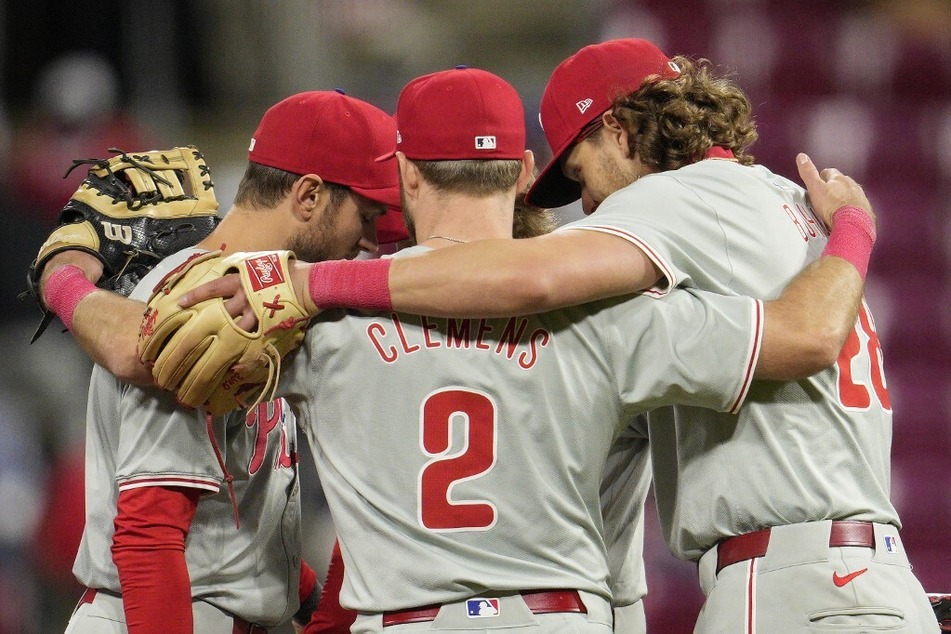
(148, 548)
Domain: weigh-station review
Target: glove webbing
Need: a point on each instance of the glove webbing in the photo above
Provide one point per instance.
(144, 163)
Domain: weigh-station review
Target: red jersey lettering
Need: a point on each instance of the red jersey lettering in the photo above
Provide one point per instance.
(457, 333)
(268, 417)
(376, 331)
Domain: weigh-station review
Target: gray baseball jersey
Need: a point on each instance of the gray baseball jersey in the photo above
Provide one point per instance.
(624, 488)
(464, 455)
(799, 451)
(139, 437)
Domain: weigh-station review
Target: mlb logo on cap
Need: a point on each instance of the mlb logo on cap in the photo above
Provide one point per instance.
(891, 544)
(460, 114)
(485, 142)
(482, 608)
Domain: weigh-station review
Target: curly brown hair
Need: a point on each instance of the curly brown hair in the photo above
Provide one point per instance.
(674, 122)
(530, 221)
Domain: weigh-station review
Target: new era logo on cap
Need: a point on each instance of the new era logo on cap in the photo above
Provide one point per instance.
(482, 608)
(584, 105)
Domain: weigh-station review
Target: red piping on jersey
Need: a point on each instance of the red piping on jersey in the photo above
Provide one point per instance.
(643, 246)
(754, 355)
(751, 597)
(193, 482)
(229, 479)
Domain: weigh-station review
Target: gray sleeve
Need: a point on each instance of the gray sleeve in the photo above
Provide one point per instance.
(161, 443)
(669, 224)
(689, 347)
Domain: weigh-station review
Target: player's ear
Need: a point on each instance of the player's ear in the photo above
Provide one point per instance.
(615, 132)
(527, 176)
(410, 178)
(307, 194)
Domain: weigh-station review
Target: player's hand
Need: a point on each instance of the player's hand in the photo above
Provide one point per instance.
(229, 288)
(830, 189)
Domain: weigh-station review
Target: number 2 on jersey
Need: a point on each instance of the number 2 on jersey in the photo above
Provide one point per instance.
(853, 390)
(449, 417)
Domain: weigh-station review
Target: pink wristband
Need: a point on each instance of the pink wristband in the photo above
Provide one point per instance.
(63, 290)
(852, 237)
(361, 284)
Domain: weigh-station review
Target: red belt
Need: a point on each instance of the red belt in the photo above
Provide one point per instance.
(240, 625)
(752, 545)
(540, 602)
(88, 596)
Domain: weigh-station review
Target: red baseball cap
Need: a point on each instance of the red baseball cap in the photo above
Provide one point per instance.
(332, 135)
(580, 90)
(457, 114)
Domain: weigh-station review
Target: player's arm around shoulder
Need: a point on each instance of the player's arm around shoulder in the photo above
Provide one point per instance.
(104, 324)
(806, 327)
(500, 278)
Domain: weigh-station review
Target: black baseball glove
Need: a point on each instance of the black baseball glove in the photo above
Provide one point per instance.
(131, 211)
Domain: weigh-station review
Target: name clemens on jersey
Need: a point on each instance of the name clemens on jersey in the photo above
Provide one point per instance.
(398, 336)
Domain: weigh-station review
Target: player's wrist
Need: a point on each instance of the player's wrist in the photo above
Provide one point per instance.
(65, 287)
(362, 285)
(852, 237)
(90, 265)
(300, 279)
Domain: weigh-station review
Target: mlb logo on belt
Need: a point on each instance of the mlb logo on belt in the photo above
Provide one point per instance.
(481, 608)
(891, 544)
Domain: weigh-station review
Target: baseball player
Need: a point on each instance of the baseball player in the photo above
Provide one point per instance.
(482, 481)
(785, 503)
(232, 562)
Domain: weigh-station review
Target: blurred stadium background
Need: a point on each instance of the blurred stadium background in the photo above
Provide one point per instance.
(861, 85)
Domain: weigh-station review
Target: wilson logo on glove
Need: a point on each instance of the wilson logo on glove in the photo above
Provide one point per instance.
(118, 233)
(264, 271)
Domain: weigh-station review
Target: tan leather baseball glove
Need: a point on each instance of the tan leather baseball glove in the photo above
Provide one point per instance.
(201, 354)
